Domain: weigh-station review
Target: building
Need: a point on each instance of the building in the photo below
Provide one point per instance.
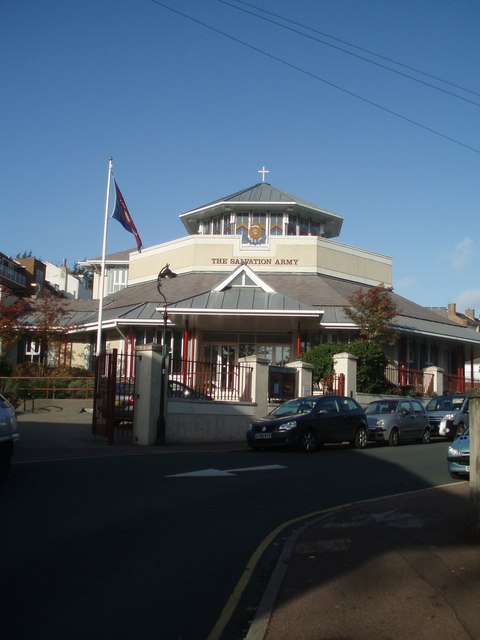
(69, 285)
(259, 272)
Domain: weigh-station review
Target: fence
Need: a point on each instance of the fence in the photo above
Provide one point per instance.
(332, 385)
(217, 381)
(49, 387)
(404, 379)
(457, 384)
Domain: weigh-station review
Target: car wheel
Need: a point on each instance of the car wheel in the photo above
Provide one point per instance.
(308, 442)
(427, 436)
(361, 438)
(6, 451)
(394, 438)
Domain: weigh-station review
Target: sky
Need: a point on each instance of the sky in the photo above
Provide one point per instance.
(367, 108)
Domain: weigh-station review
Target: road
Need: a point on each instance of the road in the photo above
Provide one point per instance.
(151, 546)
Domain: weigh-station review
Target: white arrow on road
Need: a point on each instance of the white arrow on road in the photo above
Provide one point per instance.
(203, 473)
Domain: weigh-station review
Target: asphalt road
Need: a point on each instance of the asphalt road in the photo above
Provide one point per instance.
(152, 546)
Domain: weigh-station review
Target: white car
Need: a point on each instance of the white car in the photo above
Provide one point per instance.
(9, 435)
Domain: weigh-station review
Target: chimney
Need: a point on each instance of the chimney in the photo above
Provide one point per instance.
(470, 313)
(452, 315)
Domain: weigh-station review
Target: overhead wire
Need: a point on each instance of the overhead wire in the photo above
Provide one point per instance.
(349, 53)
(316, 77)
(354, 46)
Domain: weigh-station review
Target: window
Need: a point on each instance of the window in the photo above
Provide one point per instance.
(117, 279)
(327, 405)
(242, 226)
(276, 224)
(404, 407)
(227, 225)
(303, 227)
(292, 225)
(418, 408)
(315, 228)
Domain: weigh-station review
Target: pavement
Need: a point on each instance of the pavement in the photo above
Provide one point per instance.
(403, 566)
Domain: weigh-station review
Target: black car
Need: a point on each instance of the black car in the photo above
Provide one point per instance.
(179, 390)
(310, 422)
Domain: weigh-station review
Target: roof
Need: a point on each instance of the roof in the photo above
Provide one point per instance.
(111, 258)
(307, 295)
(261, 197)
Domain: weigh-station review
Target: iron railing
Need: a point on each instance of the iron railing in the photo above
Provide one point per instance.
(49, 387)
(218, 381)
(405, 378)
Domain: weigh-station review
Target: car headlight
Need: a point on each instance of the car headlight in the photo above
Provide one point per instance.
(380, 422)
(287, 426)
(449, 416)
(454, 452)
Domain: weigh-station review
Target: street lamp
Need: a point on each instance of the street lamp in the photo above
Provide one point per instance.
(165, 274)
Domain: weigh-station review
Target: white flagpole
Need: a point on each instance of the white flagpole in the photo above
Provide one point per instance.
(102, 272)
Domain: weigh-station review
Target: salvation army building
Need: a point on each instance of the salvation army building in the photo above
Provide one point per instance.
(259, 272)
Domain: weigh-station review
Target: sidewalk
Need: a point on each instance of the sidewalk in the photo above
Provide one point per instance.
(59, 429)
(389, 569)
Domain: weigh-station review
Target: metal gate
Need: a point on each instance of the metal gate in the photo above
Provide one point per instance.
(114, 397)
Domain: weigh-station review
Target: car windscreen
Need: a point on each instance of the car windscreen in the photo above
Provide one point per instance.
(292, 407)
(381, 406)
(445, 404)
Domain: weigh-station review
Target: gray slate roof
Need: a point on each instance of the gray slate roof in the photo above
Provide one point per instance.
(193, 292)
(261, 195)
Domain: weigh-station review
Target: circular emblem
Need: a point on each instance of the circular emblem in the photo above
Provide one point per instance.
(255, 231)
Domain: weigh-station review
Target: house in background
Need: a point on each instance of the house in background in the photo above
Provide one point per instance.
(69, 285)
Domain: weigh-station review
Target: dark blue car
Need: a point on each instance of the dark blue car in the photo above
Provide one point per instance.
(309, 422)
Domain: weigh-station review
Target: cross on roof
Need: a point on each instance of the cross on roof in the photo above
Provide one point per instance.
(263, 171)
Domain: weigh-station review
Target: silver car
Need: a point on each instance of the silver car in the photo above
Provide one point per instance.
(395, 421)
(8, 434)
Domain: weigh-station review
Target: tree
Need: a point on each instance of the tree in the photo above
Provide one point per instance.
(47, 326)
(372, 310)
(11, 310)
(83, 273)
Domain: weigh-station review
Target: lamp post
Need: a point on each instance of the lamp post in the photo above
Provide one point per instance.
(165, 274)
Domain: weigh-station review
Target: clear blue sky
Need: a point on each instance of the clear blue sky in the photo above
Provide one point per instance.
(190, 115)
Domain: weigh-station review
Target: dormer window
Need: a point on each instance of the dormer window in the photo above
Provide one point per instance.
(243, 280)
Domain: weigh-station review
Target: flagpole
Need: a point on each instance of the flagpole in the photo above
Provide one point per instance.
(102, 272)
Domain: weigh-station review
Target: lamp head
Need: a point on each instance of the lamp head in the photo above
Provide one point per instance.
(166, 273)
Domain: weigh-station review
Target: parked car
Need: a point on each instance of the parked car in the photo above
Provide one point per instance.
(395, 421)
(124, 401)
(458, 456)
(9, 435)
(179, 390)
(455, 422)
(440, 406)
(309, 422)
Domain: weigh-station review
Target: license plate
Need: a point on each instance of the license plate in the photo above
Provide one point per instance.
(263, 436)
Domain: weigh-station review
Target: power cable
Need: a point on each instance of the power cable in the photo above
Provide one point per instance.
(349, 53)
(349, 44)
(316, 77)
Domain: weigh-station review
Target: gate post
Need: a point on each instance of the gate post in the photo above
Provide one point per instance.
(148, 378)
(304, 380)
(474, 408)
(259, 382)
(346, 364)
